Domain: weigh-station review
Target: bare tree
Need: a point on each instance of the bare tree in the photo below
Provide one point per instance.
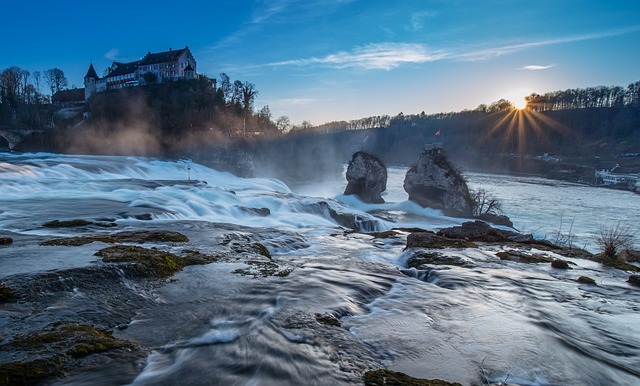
(484, 202)
(37, 80)
(249, 93)
(225, 86)
(283, 123)
(56, 80)
(236, 93)
(10, 83)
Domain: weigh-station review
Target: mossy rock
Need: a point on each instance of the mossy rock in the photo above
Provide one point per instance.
(329, 320)
(6, 240)
(433, 241)
(6, 294)
(121, 237)
(560, 264)
(192, 257)
(585, 280)
(144, 262)
(54, 349)
(79, 241)
(619, 264)
(67, 223)
(521, 257)
(262, 250)
(31, 372)
(384, 377)
(150, 236)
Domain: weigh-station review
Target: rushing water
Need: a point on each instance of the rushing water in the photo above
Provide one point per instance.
(529, 324)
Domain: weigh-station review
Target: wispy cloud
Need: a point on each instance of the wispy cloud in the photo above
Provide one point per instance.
(292, 101)
(494, 52)
(534, 67)
(267, 12)
(418, 18)
(388, 56)
(382, 56)
(113, 54)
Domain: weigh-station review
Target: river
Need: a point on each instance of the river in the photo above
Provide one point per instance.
(490, 321)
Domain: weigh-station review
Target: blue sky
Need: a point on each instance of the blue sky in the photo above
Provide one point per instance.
(324, 60)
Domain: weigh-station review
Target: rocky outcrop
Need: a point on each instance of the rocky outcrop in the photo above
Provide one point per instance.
(367, 177)
(481, 231)
(432, 182)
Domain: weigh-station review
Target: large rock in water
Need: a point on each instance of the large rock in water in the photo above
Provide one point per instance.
(367, 177)
(432, 182)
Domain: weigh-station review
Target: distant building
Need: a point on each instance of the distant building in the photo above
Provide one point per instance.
(157, 67)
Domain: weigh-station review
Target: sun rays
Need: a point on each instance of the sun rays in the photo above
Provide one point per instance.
(522, 130)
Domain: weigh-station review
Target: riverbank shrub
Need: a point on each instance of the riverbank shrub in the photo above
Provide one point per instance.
(615, 239)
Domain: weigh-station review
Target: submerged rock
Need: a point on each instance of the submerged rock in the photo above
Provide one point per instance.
(329, 320)
(585, 280)
(634, 280)
(66, 223)
(432, 182)
(384, 377)
(150, 236)
(6, 240)
(6, 294)
(560, 264)
(367, 177)
(262, 212)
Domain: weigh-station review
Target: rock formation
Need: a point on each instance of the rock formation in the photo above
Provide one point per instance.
(432, 182)
(367, 177)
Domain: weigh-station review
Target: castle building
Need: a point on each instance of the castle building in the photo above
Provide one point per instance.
(157, 67)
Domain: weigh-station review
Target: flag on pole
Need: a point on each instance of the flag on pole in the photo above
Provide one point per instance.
(438, 133)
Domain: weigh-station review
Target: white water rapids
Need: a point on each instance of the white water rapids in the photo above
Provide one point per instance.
(527, 323)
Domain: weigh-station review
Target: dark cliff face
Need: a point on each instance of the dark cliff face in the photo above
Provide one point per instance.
(367, 177)
(432, 182)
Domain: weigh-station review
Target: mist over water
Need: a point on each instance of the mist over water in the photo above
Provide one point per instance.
(530, 324)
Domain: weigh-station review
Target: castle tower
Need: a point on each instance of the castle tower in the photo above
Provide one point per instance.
(90, 82)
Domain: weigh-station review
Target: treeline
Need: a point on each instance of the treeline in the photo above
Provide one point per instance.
(591, 97)
(22, 102)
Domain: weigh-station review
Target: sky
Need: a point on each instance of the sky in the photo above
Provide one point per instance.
(330, 60)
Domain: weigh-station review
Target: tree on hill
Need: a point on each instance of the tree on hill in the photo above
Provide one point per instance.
(56, 80)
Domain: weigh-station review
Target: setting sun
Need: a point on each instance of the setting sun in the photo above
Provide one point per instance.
(520, 103)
